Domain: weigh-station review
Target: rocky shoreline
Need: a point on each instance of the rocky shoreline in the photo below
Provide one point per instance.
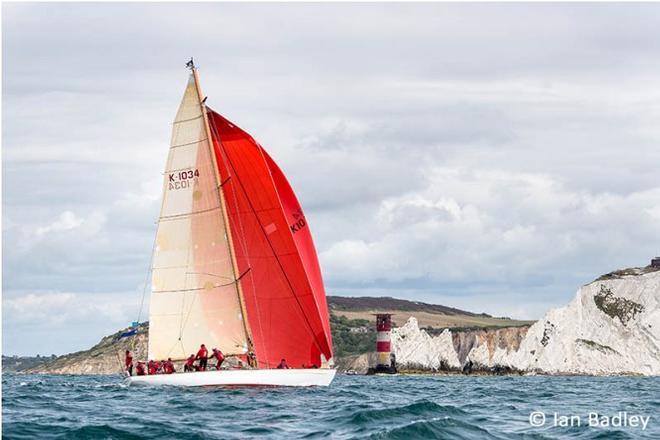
(612, 327)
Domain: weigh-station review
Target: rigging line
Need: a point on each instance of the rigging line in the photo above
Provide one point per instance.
(186, 120)
(180, 266)
(183, 298)
(183, 347)
(171, 348)
(238, 178)
(188, 143)
(186, 214)
(185, 322)
(210, 274)
(193, 289)
(242, 241)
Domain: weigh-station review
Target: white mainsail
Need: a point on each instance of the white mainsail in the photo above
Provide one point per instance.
(194, 297)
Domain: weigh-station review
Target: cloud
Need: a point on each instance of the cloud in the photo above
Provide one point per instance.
(488, 156)
(62, 320)
(495, 227)
(39, 306)
(57, 232)
(65, 222)
(63, 307)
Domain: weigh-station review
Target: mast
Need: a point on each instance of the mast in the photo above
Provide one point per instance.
(252, 360)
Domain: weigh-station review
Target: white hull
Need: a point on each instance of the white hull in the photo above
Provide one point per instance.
(287, 378)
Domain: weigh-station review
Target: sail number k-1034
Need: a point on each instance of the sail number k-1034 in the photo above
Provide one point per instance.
(183, 179)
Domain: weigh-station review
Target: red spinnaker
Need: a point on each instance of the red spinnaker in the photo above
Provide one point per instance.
(280, 275)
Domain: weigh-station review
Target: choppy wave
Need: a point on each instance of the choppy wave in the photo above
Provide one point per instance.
(102, 407)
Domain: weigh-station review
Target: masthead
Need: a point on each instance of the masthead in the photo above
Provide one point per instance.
(190, 64)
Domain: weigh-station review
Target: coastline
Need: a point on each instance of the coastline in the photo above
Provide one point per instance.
(401, 372)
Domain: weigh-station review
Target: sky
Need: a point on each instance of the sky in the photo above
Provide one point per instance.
(490, 157)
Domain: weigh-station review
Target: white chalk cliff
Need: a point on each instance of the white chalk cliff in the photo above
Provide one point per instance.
(611, 327)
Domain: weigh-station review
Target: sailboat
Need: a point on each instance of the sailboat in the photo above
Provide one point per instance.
(234, 266)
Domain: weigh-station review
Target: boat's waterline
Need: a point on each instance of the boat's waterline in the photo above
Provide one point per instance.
(282, 377)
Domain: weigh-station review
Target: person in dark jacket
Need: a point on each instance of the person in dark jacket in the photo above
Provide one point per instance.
(283, 364)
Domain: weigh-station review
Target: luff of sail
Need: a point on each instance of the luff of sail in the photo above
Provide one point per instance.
(282, 286)
(194, 296)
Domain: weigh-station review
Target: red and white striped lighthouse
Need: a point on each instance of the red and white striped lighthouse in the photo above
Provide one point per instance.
(383, 339)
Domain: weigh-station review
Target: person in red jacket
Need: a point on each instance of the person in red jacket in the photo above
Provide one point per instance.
(168, 366)
(217, 354)
(151, 367)
(203, 356)
(139, 369)
(129, 363)
(283, 364)
(190, 364)
(158, 367)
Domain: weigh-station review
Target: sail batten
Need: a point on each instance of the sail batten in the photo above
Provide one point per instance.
(188, 143)
(189, 214)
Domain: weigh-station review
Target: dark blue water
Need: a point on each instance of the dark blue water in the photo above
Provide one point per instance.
(101, 407)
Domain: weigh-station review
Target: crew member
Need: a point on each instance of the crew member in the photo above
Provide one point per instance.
(203, 356)
(151, 367)
(139, 369)
(129, 363)
(283, 364)
(168, 366)
(158, 367)
(190, 364)
(217, 354)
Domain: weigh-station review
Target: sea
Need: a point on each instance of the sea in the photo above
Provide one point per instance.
(372, 407)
